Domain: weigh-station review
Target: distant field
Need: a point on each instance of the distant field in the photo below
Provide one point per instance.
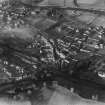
(85, 17)
(83, 3)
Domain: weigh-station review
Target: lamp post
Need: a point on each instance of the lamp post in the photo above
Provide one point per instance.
(64, 2)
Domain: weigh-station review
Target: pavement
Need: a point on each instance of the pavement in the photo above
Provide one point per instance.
(7, 101)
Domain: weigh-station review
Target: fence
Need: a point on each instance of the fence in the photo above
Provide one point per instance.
(61, 2)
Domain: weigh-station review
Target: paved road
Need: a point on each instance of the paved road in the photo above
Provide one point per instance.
(62, 97)
(58, 96)
(51, 96)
